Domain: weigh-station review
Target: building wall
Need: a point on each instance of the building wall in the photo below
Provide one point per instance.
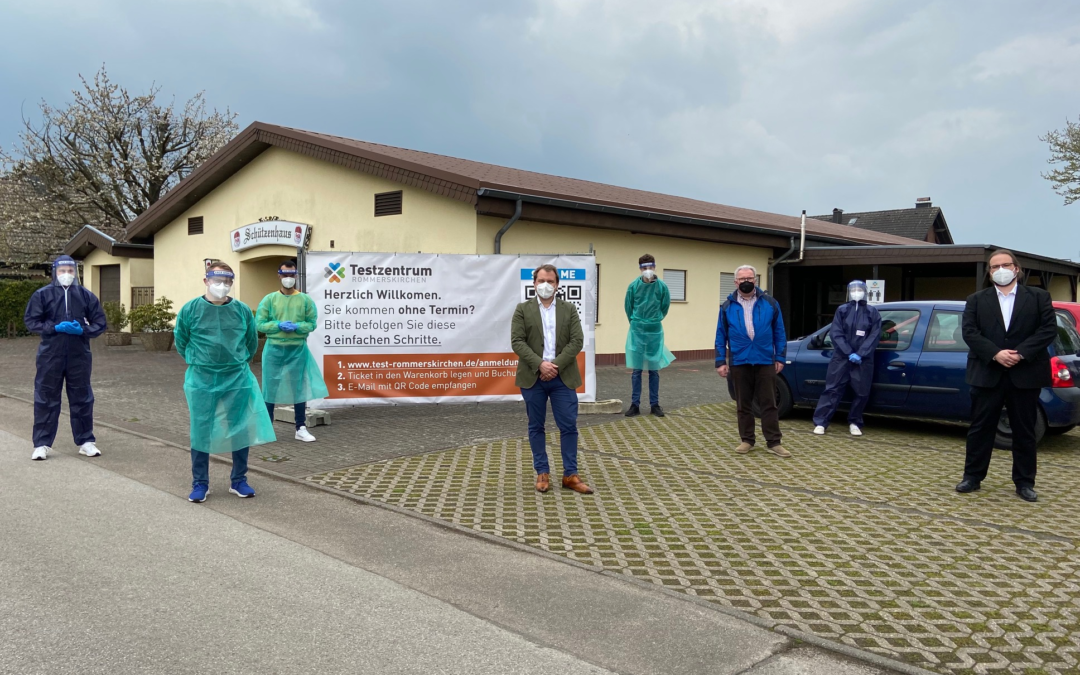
(690, 325)
(97, 259)
(1061, 289)
(337, 202)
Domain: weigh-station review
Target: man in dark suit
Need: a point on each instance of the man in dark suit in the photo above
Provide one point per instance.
(547, 337)
(1007, 328)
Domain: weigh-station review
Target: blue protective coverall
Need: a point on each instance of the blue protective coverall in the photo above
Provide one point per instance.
(856, 329)
(63, 357)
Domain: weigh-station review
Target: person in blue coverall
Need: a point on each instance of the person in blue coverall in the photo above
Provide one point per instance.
(856, 329)
(66, 316)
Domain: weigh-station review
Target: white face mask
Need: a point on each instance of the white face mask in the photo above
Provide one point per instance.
(648, 275)
(545, 290)
(1003, 276)
(220, 290)
(857, 296)
(65, 279)
(288, 282)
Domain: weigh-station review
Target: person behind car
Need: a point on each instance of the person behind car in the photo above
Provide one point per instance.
(1008, 328)
(856, 329)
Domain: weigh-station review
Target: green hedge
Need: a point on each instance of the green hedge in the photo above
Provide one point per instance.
(14, 295)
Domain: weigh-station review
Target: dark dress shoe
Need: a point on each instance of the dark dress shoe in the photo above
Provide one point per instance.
(1027, 494)
(543, 482)
(657, 410)
(968, 485)
(633, 411)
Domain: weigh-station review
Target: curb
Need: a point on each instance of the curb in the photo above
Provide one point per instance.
(767, 624)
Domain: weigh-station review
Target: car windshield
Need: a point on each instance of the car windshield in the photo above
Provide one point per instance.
(1067, 341)
(1069, 318)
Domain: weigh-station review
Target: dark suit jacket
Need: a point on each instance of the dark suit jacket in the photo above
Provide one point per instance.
(1031, 330)
(527, 338)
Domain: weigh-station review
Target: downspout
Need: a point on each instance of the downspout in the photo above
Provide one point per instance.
(507, 226)
(778, 261)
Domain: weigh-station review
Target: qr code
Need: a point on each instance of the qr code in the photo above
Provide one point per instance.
(570, 292)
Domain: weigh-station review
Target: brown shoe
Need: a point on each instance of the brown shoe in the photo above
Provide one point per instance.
(743, 448)
(779, 451)
(543, 482)
(574, 483)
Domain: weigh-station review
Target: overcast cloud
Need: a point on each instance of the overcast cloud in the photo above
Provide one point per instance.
(777, 105)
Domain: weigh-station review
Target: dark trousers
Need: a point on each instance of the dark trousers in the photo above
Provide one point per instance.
(55, 369)
(299, 413)
(756, 384)
(654, 387)
(564, 408)
(986, 404)
(200, 466)
(841, 373)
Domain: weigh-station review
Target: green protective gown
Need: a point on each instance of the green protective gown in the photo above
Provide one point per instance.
(227, 410)
(290, 373)
(646, 306)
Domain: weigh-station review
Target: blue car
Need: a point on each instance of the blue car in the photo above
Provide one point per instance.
(919, 370)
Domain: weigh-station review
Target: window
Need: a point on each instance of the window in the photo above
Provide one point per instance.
(195, 225)
(897, 330)
(727, 285)
(1069, 318)
(1067, 341)
(676, 283)
(388, 204)
(945, 333)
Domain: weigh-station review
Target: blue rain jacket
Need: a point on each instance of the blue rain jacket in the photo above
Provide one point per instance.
(770, 341)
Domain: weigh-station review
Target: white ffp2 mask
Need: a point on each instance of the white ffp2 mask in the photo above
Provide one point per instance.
(220, 291)
(288, 282)
(545, 290)
(858, 296)
(65, 279)
(1003, 276)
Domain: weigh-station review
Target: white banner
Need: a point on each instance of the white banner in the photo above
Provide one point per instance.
(428, 328)
(875, 291)
(281, 232)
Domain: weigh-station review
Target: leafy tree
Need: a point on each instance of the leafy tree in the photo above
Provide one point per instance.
(1065, 151)
(109, 154)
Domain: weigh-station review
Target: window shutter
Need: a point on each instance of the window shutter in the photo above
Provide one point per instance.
(676, 283)
(195, 225)
(388, 203)
(727, 285)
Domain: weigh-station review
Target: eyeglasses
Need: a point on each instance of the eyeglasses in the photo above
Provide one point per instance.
(1008, 266)
(740, 280)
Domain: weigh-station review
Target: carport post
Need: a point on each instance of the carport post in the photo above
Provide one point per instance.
(980, 276)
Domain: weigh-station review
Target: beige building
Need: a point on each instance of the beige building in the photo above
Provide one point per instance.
(358, 196)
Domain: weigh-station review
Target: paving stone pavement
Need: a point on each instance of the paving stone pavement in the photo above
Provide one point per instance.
(861, 540)
(143, 392)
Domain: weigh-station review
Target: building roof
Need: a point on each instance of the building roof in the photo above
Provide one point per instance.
(27, 238)
(89, 237)
(467, 180)
(914, 223)
(925, 254)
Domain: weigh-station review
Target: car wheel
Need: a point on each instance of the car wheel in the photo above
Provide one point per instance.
(1057, 431)
(1004, 440)
(784, 401)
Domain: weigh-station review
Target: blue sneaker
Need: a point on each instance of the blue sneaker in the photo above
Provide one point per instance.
(241, 489)
(198, 494)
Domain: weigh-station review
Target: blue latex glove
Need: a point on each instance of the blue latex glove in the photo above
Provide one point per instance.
(65, 327)
(286, 326)
(855, 358)
(76, 328)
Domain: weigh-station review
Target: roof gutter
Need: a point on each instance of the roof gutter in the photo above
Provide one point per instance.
(648, 215)
(780, 260)
(507, 226)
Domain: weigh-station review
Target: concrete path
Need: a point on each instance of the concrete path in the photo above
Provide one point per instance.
(107, 568)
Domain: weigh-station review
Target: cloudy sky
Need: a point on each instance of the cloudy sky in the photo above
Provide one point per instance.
(777, 105)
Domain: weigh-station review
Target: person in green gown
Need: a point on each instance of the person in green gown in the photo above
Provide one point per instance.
(290, 374)
(215, 334)
(647, 303)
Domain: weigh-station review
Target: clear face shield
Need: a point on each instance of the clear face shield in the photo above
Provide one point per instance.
(65, 272)
(856, 291)
(219, 283)
(648, 271)
(287, 277)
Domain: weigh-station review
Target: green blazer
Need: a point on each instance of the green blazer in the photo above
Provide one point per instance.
(527, 338)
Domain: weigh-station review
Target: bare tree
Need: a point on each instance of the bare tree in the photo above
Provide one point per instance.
(1065, 150)
(108, 155)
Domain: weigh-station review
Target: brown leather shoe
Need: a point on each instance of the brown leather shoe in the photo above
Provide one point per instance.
(574, 483)
(743, 448)
(543, 482)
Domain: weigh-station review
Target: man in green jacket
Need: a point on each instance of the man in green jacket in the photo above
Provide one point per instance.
(647, 303)
(547, 337)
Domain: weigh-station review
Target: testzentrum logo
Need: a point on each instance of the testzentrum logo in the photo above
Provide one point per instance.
(335, 272)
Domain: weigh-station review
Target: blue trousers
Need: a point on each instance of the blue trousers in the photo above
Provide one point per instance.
(299, 413)
(200, 466)
(57, 366)
(841, 374)
(564, 408)
(654, 387)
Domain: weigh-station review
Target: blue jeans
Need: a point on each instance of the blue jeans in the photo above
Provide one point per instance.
(200, 466)
(564, 407)
(299, 413)
(654, 387)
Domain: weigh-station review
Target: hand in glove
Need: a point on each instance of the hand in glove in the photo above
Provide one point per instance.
(76, 328)
(855, 358)
(286, 326)
(69, 327)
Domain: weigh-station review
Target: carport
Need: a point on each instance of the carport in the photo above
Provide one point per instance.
(809, 290)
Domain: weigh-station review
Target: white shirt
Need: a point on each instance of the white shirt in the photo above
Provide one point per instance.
(547, 315)
(1007, 301)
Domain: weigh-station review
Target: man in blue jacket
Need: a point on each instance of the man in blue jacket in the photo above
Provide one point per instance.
(750, 348)
(66, 316)
(856, 329)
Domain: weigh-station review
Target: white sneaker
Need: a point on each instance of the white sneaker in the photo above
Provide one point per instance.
(819, 430)
(40, 452)
(855, 430)
(303, 435)
(89, 449)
